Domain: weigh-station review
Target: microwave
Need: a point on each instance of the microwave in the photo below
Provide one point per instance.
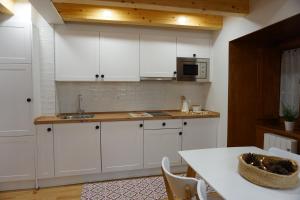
(193, 69)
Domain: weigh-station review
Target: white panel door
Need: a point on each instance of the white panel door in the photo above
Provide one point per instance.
(199, 133)
(17, 158)
(157, 56)
(16, 93)
(77, 149)
(188, 46)
(119, 56)
(15, 43)
(160, 143)
(122, 145)
(76, 55)
(45, 154)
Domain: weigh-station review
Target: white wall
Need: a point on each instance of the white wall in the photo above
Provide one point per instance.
(43, 65)
(262, 13)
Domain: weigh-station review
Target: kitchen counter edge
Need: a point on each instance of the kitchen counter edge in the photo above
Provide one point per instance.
(123, 116)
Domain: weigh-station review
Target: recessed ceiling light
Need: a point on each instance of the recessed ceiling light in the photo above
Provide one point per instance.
(182, 20)
(106, 14)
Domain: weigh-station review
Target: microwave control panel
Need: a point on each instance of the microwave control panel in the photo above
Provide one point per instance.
(202, 70)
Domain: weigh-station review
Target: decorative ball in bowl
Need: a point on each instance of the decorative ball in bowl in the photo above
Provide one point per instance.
(269, 171)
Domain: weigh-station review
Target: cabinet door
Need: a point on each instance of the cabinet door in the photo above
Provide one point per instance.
(77, 149)
(15, 43)
(122, 146)
(45, 155)
(17, 158)
(119, 56)
(157, 56)
(187, 47)
(15, 108)
(160, 143)
(199, 133)
(76, 55)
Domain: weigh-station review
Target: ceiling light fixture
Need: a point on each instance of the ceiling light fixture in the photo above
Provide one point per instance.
(106, 14)
(182, 20)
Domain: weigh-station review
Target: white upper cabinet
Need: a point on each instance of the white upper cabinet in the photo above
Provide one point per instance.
(16, 103)
(157, 56)
(122, 145)
(199, 133)
(15, 43)
(77, 149)
(190, 46)
(76, 55)
(119, 56)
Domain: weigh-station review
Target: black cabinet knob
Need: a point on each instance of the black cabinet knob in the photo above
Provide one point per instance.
(97, 75)
(180, 133)
(49, 129)
(163, 124)
(102, 75)
(97, 127)
(174, 72)
(28, 99)
(185, 123)
(194, 55)
(141, 125)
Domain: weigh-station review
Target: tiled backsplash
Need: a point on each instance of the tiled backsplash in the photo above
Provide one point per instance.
(126, 96)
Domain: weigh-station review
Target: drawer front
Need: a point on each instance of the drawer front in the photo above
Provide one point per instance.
(161, 124)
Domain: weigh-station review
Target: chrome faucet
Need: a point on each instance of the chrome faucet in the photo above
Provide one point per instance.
(80, 110)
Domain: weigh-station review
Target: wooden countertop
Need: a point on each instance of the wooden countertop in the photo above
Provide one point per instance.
(124, 116)
(277, 127)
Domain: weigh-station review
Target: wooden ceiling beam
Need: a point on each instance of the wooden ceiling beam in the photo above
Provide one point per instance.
(6, 7)
(133, 16)
(218, 7)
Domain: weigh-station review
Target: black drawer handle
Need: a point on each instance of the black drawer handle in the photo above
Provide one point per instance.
(185, 123)
(97, 75)
(49, 129)
(141, 125)
(28, 100)
(102, 75)
(164, 124)
(97, 127)
(180, 133)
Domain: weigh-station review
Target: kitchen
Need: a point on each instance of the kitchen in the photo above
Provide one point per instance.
(86, 101)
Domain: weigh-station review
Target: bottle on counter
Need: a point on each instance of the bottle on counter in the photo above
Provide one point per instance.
(184, 104)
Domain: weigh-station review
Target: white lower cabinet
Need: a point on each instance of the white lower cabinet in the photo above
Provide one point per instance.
(17, 158)
(160, 143)
(122, 145)
(45, 155)
(80, 148)
(77, 149)
(199, 133)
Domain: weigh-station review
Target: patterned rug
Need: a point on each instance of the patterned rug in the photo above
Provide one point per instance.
(147, 188)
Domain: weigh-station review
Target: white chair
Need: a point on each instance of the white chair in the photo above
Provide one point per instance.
(201, 190)
(184, 188)
(284, 154)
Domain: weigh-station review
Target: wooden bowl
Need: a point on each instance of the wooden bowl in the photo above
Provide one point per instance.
(265, 178)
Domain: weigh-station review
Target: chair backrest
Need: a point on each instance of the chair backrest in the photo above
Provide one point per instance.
(179, 184)
(284, 154)
(201, 190)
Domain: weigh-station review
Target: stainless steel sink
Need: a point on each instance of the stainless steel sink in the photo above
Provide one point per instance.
(76, 116)
(158, 114)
